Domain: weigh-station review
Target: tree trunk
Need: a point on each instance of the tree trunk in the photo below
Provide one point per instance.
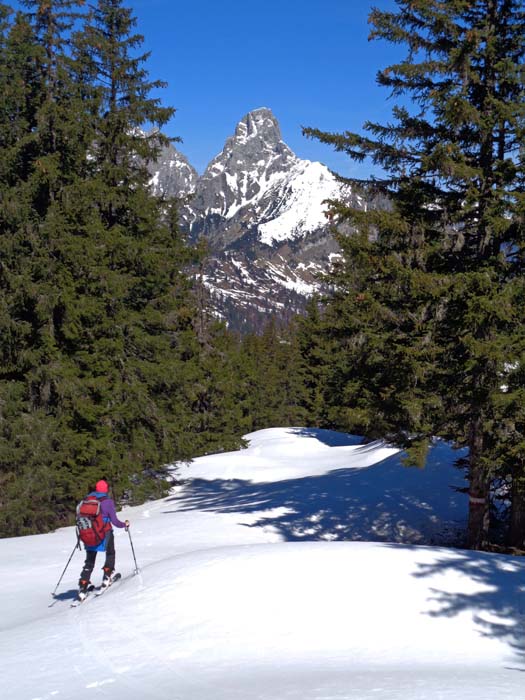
(517, 512)
(478, 517)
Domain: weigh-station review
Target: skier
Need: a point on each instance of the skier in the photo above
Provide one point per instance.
(109, 515)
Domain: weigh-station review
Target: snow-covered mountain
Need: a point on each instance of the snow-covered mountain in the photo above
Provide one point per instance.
(263, 212)
(258, 185)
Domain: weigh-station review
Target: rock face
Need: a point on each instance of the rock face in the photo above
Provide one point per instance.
(172, 174)
(262, 211)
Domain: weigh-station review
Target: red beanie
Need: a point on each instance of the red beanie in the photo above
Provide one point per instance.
(102, 486)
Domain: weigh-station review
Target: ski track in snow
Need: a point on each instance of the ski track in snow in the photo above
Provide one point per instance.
(249, 588)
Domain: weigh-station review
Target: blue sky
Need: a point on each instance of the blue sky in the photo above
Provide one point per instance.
(309, 61)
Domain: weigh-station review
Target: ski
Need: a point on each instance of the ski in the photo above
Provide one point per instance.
(97, 591)
(102, 590)
(78, 602)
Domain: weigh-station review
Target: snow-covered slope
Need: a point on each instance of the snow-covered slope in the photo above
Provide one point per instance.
(227, 606)
(300, 203)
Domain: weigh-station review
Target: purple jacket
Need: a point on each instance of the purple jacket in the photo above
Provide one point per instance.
(107, 508)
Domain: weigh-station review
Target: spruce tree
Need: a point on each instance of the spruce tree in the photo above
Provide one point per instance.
(215, 396)
(429, 296)
(271, 381)
(98, 339)
(37, 156)
(135, 333)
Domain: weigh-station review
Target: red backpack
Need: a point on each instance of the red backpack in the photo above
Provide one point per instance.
(91, 527)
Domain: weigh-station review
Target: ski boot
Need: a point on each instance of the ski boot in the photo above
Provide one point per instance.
(83, 586)
(108, 577)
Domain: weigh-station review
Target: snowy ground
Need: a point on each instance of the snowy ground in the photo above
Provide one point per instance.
(251, 590)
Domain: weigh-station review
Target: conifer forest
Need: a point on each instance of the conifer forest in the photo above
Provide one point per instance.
(111, 360)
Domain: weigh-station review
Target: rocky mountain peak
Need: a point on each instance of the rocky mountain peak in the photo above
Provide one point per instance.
(250, 159)
(255, 147)
(259, 124)
(172, 174)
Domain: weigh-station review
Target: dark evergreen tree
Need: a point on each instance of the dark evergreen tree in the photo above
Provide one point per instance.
(107, 59)
(36, 97)
(272, 390)
(128, 322)
(319, 348)
(215, 395)
(428, 311)
(98, 341)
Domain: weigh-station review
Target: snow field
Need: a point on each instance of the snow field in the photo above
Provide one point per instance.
(229, 604)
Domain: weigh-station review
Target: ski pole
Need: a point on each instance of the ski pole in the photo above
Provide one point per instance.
(133, 550)
(60, 579)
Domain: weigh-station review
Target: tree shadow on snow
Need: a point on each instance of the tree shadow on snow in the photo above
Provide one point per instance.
(385, 502)
(332, 438)
(389, 503)
(499, 607)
